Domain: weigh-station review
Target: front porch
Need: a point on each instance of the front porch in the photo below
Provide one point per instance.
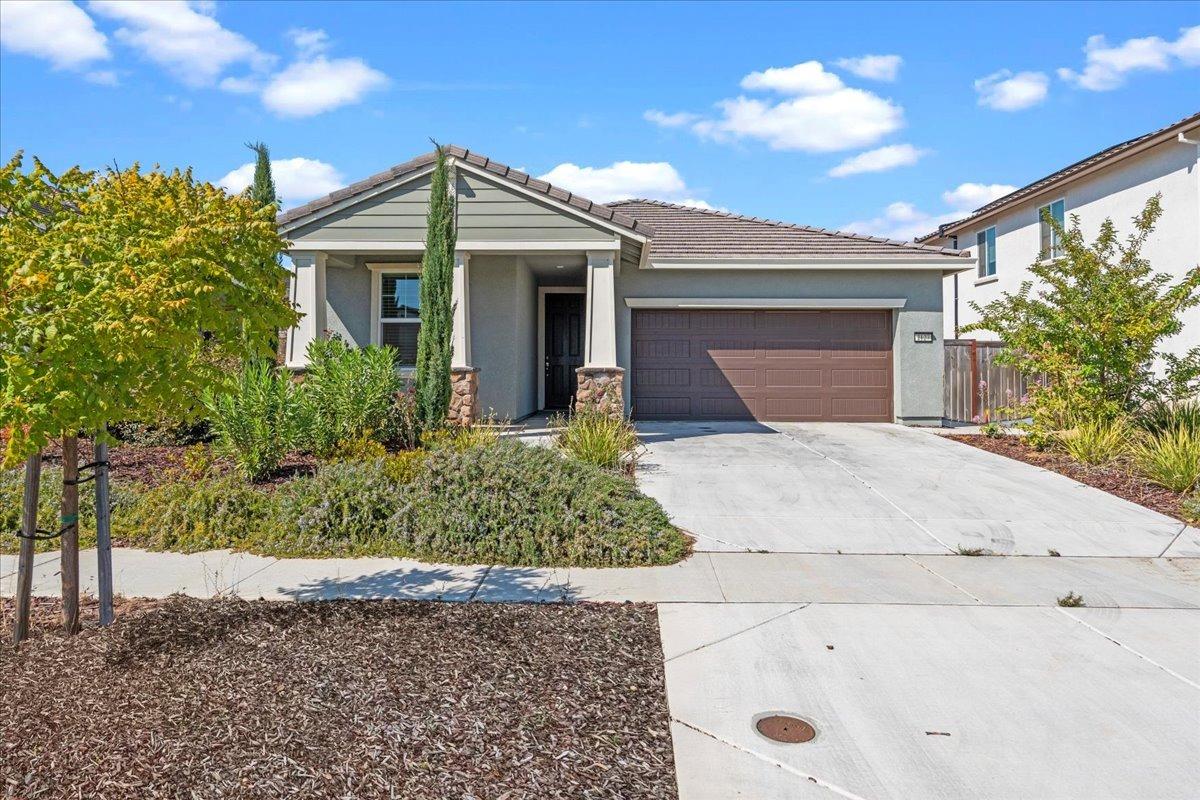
(534, 328)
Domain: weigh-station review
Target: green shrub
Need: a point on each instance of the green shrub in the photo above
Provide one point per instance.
(191, 515)
(1162, 416)
(12, 497)
(455, 437)
(1097, 441)
(593, 437)
(1170, 458)
(992, 430)
(258, 422)
(362, 449)
(511, 503)
(353, 393)
(343, 510)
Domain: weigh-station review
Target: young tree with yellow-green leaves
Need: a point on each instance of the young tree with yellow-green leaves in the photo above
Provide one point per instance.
(126, 294)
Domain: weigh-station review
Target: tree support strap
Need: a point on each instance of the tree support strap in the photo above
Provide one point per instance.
(94, 465)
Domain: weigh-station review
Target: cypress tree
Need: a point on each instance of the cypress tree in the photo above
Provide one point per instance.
(262, 191)
(437, 312)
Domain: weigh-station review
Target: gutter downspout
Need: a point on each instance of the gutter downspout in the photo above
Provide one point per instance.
(954, 242)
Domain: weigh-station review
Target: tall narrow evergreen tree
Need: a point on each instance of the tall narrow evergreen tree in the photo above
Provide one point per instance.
(262, 191)
(437, 312)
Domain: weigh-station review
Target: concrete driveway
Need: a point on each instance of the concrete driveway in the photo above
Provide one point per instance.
(867, 488)
(925, 674)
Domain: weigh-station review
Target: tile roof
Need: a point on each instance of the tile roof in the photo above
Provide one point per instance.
(685, 232)
(398, 172)
(1064, 174)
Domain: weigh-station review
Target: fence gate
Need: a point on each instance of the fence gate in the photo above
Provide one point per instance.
(970, 363)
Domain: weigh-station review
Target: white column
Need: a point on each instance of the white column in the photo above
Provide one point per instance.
(460, 296)
(600, 335)
(308, 297)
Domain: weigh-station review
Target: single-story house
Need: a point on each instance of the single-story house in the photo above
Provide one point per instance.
(676, 312)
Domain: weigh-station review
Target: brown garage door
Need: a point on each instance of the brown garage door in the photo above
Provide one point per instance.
(767, 365)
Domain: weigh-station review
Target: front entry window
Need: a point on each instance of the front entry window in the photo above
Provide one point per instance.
(400, 315)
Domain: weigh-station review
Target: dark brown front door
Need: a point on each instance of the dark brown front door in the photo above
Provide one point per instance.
(564, 347)
(767, 365)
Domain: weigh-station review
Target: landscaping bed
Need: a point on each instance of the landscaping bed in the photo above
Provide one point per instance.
(228, 698)
(1113, 478)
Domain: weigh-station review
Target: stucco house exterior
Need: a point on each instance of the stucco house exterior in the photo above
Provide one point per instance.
(1008, 234)
(674, 312)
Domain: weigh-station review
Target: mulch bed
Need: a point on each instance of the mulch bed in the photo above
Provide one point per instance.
(188, 698)
(152, 465)
(1111, 479)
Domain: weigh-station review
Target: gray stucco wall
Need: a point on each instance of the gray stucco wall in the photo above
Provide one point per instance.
(918, 367)
(348, 302)
(503, 323)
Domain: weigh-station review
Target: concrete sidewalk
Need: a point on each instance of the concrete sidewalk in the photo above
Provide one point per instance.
(703, 578)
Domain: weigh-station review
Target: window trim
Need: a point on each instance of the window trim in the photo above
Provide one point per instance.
(1050, 255)
(378, 270)
(981, 272)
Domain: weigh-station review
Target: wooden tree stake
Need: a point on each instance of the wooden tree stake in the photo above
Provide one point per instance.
(33, 479)
(69, 551)
(103, 535)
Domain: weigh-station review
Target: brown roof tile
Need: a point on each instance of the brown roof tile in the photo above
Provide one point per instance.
(685, 232)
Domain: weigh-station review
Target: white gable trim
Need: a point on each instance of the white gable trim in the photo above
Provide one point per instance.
(774, 303)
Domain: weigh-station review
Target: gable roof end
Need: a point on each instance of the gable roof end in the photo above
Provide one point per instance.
(300, 215)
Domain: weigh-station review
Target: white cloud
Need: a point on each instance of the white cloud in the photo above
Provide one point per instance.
(58, 31)
(879, 160)
(970, 196)
(665, 120)
(309, 41)
(297, 180)
(307, 88)
(807, 78)
(182, 37)
(1106, 66)
(904, 221)
(822, 115)
(1005, 91)
(243, 85)
(103, 77)
(900, 220)
(656, 180)
(872, 67)
(841, 120)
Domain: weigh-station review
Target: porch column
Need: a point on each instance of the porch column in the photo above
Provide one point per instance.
(464, 376)
(601, 381)
(307, 295)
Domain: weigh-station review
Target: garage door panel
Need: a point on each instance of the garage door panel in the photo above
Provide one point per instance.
(789, 378)
(810, 365)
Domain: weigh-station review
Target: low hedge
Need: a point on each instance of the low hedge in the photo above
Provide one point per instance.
(494, 502)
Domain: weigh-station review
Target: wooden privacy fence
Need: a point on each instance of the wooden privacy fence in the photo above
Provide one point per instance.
(968, 363)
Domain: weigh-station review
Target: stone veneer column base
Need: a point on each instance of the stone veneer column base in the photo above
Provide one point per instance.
(601, 389)
(464, 395)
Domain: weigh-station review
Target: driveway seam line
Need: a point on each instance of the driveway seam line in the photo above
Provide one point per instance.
(1124, 646)
(736, 633)
(713, 569)
(861, 480)
(944, 578)
(846, 793)
(1174, 539)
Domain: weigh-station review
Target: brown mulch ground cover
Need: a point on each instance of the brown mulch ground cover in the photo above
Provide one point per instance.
(152, 465)
(188, 698)
(1112, 479)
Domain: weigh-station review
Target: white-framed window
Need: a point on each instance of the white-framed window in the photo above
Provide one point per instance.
(985, 240)
(396, 309)
(1051, 245)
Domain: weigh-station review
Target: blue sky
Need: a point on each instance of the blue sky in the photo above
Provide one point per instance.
(769, 110)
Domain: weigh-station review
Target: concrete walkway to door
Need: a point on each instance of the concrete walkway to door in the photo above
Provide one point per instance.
(876, 488)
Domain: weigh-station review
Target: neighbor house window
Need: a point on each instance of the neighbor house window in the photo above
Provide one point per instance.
(987, 252)
(400, 314)
(1051, 243)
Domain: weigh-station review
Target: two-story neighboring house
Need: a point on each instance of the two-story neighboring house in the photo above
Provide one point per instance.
(1008, 234)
